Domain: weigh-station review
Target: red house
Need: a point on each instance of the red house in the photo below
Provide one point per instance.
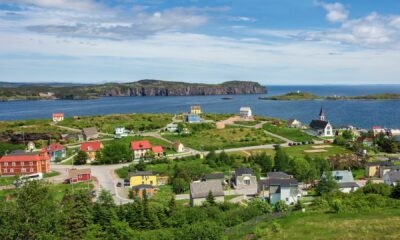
(140, 148)
(58, 117)
(22, 163)
(79, 175)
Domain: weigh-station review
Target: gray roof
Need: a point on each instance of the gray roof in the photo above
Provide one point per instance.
(211, 176)
(201, 189)
(318, 124)
(348, 185)
(278, 175)
(394, 167)
(89, 131)
(140, 173)
(282, 182)
(242, 171)
(380, 163)
(394, 176)
(342, 176)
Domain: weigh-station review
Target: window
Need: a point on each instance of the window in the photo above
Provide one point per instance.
(13, 163)
(31, 163)
(23, 170)
(22, 163)
(151, 182)
(6, 164)
(11, 170)
(31, 169)
(247, 182)
(5, 170)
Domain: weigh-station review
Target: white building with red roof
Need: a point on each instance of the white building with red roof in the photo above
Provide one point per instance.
(20, 162)
(378, 130)
(58, 117)
(140, 148)
(91, 148)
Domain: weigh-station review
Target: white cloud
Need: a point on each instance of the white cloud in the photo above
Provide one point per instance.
(336, 12)
(77, 5)
(242, 19)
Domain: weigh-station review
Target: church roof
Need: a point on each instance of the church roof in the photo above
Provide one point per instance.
(318, 124)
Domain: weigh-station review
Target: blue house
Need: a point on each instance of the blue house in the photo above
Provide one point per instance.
(192, 118)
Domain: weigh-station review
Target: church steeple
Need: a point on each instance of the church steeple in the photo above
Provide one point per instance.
(321, 114)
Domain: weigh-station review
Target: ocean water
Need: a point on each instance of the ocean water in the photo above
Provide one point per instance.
(360, 113)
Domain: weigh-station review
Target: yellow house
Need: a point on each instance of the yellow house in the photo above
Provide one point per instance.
(142, 177)
(376, 169)
(195, 110)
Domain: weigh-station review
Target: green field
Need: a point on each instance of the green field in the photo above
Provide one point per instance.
(232, 137)
(293, 134)
(378, 224)
(108, 123)
(298, 151)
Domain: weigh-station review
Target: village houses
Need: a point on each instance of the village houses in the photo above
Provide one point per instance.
(56, 151)
(58, 117)
(200, 190)
(91, 148)
(20, 162)
(245, 112)
(78, 175)
(141, 148)
(320, 127)
(279, 186)
(90, 133)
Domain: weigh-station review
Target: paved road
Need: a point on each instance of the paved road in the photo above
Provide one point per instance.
(105, 176)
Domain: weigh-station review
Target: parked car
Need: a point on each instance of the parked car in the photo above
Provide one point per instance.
(126, 183)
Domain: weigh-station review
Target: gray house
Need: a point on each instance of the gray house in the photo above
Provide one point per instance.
(345, 180)
(214, 177)
(276, 189)
(200, 190)
(391, 178)
(90, 133)
(244, 178)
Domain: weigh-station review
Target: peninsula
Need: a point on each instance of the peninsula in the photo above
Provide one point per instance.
(139, 88)
(293, 96)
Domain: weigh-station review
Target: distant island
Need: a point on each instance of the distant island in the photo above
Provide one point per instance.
(148, 87)
(293, 96)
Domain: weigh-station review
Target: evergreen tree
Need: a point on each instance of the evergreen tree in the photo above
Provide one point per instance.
(171, 206)
(281, 159)
(141, 166)
(210, 198)
(80, 158)
(327, 184)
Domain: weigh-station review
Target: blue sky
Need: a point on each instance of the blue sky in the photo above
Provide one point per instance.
(269, 41)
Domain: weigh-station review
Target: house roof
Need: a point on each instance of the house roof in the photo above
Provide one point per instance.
(157, 149)
(142, 187)
(140, 145)
(291, 121)
(58, 114)
(177, 143)
(394, 176)
(202, 189)
(242, 171)
(141, 173)
(89, 131)
(245, 109)
(18, 156)
(282, 182)
(73, 173)
(348, 185)
(318, 124)
(278, 175)
(380, 163)
(54, 147)
(376, 128)
(341, 176)
(91, 146)
(211, 176)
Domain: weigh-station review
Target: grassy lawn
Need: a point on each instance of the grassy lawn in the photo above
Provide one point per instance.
(215, 116)
(107, 123)
(230, 197)
(51, 174)
(58, 189)
(247, 123)
(298, 151)
(231, 137)
(4, 181)
(358, 173)
(380, 224)
(290, 133)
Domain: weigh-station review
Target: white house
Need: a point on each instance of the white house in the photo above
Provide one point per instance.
(277, 189)
(391, 178)
(121, 132)
(178, 147)
(245, 112)
(320, 127)
(172, 127)
(344, 179)
(293, 123)
(58, 117)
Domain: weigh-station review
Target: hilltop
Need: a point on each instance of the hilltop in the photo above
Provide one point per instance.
(147, 87)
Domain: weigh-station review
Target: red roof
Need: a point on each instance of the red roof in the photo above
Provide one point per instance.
(54, 147)
(157, 149)
(58, 114)
(140, 145)
(376, 127)
(90, 146)
(24, 158)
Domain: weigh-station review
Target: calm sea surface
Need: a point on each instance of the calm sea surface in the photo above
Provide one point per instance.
(359, 113)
